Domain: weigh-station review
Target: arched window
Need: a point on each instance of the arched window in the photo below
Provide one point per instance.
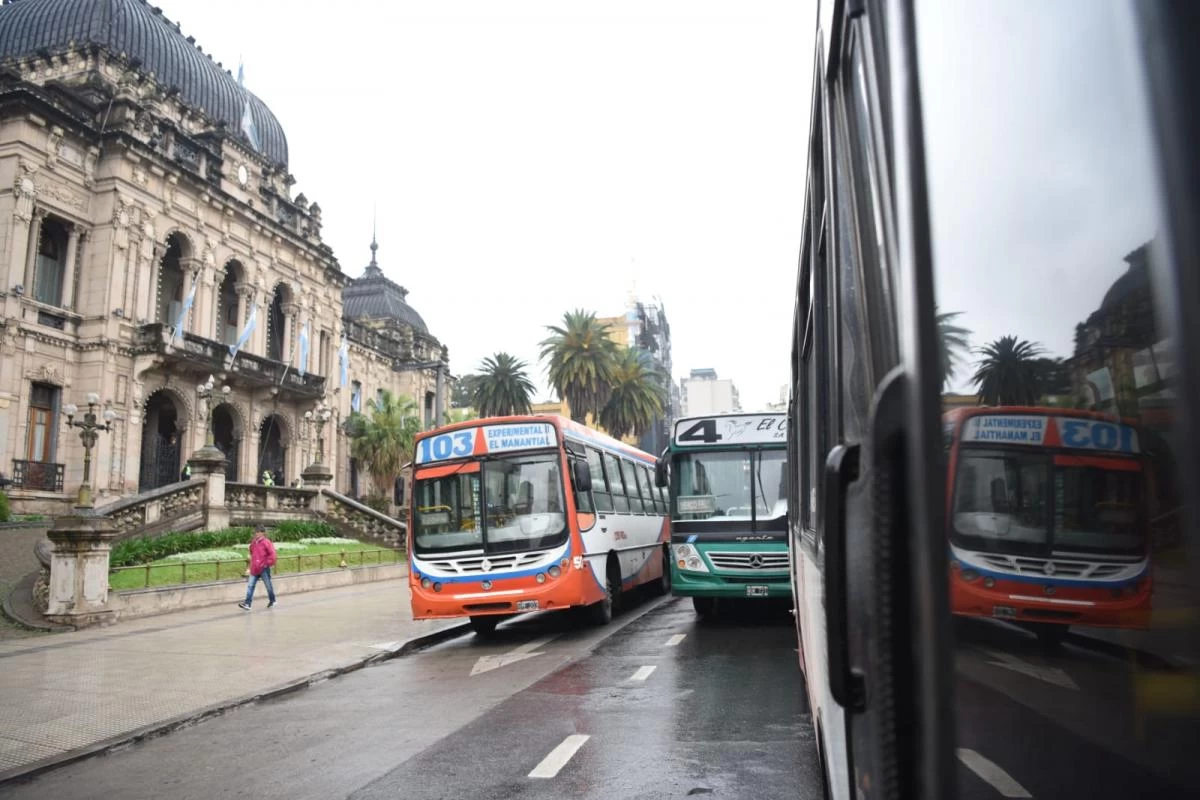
(275, 325)
(170, 281)
(51, 263)
(228, 324)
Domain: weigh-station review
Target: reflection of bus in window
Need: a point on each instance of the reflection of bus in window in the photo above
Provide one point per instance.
(1047, 518)
(533, 513)
(728, 480)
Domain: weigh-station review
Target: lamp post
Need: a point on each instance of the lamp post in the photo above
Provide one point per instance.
(205, 393)
(320, 414)
(89, 434)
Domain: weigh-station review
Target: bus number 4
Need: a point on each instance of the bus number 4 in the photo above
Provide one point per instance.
(703, 431)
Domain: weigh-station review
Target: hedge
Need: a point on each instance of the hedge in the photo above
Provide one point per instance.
(144, 549)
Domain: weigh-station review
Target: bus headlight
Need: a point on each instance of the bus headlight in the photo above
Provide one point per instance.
(687, 557)
(540, 577)
(969, 575)
(437, 587)
(554, 571)
(426, 583)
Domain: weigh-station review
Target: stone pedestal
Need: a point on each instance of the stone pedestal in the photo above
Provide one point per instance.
(79, 571)
(209, 463)
(317, 476)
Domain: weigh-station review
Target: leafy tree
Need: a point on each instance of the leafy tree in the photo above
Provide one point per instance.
(463, 394)
(503, 387)
(580, 360)
(382, 440)
(1009, 373)
(637, 395)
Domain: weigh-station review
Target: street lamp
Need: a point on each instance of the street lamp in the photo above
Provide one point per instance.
(319, 414)
(89, 434)
(205, 392)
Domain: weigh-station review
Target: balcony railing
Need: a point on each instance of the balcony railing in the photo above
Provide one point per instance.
(41, 476)
(205, 355)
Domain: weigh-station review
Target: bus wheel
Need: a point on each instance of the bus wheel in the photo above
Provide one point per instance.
(705, 606)
(484, 626)
(1049, 634)
(663, 585)
(602, 613)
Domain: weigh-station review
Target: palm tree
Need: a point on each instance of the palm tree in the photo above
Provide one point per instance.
(637, 395)
(503, 387)
(382, 441)
(580, 359)
(952, 343)
(1009, 373)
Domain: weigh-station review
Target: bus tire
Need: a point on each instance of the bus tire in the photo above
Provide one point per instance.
(602, 613)
(663, 585)
(705, 606)
(485, 625)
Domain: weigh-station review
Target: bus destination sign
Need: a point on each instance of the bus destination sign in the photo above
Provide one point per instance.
(1076, 433)
(724, 430)
(484, 440)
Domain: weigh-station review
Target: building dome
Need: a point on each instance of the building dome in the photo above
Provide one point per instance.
(143, 35)
(375, 297)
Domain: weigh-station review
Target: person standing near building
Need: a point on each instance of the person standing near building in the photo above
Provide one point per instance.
(262, 558)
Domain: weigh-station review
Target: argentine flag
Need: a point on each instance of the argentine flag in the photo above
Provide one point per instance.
(344, 361)
(183, 312)
(244, 336)
(303, 366)
(248, 126)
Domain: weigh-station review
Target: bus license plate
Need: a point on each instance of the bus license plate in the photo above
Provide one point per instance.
(756, 591)
(1004, 612)
(527, 605)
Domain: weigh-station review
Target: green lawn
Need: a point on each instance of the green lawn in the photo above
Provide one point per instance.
(166, 572)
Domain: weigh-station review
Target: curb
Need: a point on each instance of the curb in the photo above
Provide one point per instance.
(26, 585)
(155, 729)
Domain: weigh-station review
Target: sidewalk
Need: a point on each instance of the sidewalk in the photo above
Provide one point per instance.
(69, 695)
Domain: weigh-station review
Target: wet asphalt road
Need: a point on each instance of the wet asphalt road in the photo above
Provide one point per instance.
(720, 714)
(1060, 722)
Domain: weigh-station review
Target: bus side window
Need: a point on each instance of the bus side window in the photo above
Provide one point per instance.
(613, 469)
(631, 487)
(600, 486)
(647, 486)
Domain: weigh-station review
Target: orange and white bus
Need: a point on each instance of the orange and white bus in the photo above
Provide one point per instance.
(531, 513)
(1047, 518)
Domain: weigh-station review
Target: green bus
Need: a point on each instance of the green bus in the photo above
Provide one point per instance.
(727, 475)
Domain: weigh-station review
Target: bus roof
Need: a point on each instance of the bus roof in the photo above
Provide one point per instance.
(567, 428)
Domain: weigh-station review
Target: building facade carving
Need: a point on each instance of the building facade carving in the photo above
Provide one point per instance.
(123, 199)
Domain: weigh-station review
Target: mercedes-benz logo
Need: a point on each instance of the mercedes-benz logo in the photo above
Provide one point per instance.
(486, 585)
(1048, 568)
(485, 565)
(756, 561)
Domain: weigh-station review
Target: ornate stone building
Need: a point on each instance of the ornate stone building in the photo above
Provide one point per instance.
(146, 216)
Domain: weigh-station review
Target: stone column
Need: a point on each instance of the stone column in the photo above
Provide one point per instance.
(35, 239)
(68, 287)
(209, 463)
(291, 313)
(79, 571)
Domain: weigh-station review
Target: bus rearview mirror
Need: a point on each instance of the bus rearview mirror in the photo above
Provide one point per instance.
(582, 473)
(398, 492)
(660, 472)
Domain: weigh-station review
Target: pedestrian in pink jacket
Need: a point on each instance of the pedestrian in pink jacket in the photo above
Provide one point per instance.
(262, 558)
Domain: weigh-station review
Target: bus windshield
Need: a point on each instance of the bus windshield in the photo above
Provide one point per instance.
(731, 485)
(524, 501)
(1003, 502)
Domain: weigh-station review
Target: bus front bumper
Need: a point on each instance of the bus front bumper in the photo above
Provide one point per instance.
(505, 596)
(1014, 601)
(687, 583)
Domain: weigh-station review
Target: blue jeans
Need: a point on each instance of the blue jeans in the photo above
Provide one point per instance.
(265, 577)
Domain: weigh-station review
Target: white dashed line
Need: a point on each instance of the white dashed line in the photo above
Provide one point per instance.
(559, 756)
(642, 673)
(1000, 780)
(676, 639)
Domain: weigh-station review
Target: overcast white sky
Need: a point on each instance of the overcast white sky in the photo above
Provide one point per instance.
(533, 156)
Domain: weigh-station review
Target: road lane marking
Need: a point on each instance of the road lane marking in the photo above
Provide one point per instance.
(1051, 675)
(520, 653)
(676, 639)
(996, 777)
(559, 756)
(642, 673)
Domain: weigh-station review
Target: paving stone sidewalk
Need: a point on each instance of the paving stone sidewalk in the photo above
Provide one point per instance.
(69, 695)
